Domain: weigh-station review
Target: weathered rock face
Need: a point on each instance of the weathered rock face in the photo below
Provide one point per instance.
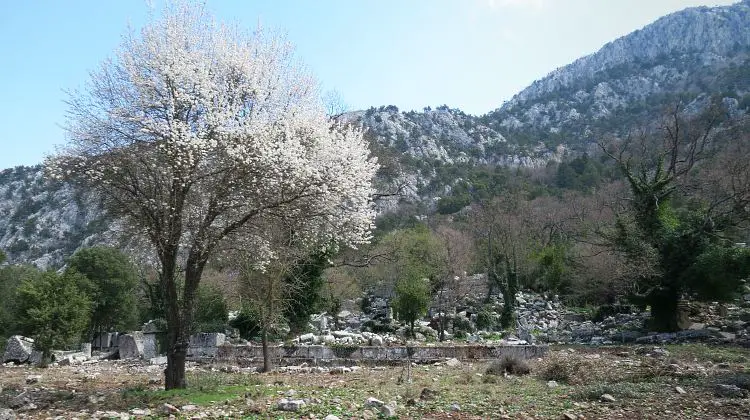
(697, 51)
(18, 349)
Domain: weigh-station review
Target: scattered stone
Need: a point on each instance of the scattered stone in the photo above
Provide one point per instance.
(159, 360)
(167, 408)
(331, 417)
(339, 370)
(231, 369)
(189, 407)
(140, 412)
(427, 394)
(388, 410)
(455, 407)
(7, 414)
(569, 416)
(374, 402)
(453, 362)
(33, 379)
(729, 391)
(368, 414)
(607, 398)
(552, 384)
(680, 390)
(290, 405)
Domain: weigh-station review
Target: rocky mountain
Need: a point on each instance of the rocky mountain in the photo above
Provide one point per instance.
(692, 56)
(688, 56)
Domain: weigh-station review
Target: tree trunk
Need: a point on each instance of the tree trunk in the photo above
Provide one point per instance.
(266, 356)
(412, 329)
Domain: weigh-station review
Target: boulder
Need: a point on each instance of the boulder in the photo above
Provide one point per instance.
(150, 346)
(290, 405)
(729, 391)
(18, 349)
(130, 346)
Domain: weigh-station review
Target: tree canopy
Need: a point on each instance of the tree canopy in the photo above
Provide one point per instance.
(197, 132)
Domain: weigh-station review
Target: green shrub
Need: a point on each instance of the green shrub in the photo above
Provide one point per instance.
(560, 371)
(210, 310)
(110, 283)
(512, 365)
(53, 310)
(485, 320)
(247, 323)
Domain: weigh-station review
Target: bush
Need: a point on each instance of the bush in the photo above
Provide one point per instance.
(210, 312)
(53, 310)
(247, 324)
(512, 365)
(110, 284)
(485, 320)
(560, 371)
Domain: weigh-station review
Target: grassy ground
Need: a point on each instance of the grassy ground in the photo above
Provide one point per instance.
(642, 381)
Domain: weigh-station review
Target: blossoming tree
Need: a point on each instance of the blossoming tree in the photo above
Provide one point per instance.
(199, 135)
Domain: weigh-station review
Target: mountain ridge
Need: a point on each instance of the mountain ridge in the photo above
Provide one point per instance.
(619, 87)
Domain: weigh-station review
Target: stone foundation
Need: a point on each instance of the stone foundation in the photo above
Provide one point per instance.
(342, 355)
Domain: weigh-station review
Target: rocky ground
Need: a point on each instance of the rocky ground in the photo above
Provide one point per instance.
(690, 381)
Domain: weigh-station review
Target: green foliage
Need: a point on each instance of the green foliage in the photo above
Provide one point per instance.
(581, 173)
(306, 283)
(485, 319)
(110, 282)
(717, 273)
(412, 299)
(553, 268)
(53, 310)
(210, 311)
(11, 277)
(247, 323)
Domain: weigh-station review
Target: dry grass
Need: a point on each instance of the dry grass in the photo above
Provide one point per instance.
(643, 386)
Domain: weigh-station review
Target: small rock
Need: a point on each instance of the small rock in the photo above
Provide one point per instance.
(7, 414)
(453, 362)
(427, 394)
(374, 402)
(455, 407)
(139, 412)
(552, 384)
(189, 407)
(159, 360)
(367, 414)
(331, 417)
(388, 410)
(680, 390)
(729, 391)
(607, 398)
(338, 370)
(33, 379)
(168, 408)
(569, 416)
(290, 405)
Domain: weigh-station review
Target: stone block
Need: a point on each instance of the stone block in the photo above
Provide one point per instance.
(18, 349)
(131, 345)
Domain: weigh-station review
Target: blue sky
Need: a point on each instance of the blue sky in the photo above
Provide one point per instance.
(468, 54)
